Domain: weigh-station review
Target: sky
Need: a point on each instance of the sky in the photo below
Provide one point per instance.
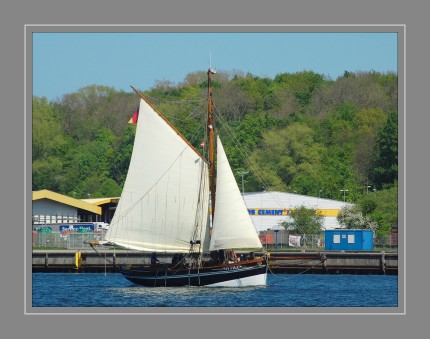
(65, 62)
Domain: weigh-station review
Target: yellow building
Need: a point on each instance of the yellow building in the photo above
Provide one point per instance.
(52, 208)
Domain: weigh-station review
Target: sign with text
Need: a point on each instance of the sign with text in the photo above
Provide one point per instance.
(82, 228)
(285, 212)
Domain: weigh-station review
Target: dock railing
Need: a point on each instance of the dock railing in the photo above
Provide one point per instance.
(283, 240)
(61, 240)
(272, 240)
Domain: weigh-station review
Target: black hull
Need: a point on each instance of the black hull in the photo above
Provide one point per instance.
(248, 273)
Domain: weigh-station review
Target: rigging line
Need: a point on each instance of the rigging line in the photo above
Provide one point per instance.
(290, 277)
(244, 153)
(152, 187)
(255, 169)
(123, 215)
(185, 120)
(105, 258)
(197, 216)
(246, 156)
(178, 267)
(176, 101)
(193, 138)
(193, 113)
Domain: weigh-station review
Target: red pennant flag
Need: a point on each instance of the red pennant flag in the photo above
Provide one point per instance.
(134, 118)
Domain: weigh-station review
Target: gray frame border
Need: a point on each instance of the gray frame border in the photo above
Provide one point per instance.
(399, 29)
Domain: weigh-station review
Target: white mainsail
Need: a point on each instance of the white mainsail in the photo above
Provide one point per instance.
(232, 225)
(164, 202)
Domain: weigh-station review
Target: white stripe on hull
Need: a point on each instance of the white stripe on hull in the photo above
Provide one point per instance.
(255, 280)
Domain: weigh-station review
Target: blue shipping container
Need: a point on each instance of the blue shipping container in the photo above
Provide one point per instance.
(348, 240)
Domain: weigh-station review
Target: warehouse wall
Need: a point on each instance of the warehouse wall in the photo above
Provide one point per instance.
(268, 209)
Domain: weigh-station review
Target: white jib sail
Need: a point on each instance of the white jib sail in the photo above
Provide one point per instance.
(166, 192)
(232, 225)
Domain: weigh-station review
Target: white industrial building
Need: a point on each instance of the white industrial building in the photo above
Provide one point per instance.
(269, 209)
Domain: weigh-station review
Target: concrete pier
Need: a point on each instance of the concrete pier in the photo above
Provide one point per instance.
(322, 262)
(333, 262)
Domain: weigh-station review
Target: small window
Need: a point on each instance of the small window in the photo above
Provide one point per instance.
(351, 238)
(336, 239)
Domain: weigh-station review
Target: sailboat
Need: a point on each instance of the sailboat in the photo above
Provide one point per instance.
(175, 202)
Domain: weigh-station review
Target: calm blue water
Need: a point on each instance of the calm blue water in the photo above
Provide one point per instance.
(283, 290)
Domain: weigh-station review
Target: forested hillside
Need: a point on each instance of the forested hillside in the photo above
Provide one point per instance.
(298, 132)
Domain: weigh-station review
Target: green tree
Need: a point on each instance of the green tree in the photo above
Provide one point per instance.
(337, 132)
(362, 89)
(368, 122)
(386, 169)
(49, 145)
(48, 138)
(47, 174)
(121, 159)
(301, 84)
(246, 136)
(84, 112)
(303, 132)
(104, 150)
(338, 127)
(382, 207)
(110, 188)
(289, 157)
(304, 221)
(232, 102)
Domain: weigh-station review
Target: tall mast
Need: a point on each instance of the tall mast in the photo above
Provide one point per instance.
(211, 140)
